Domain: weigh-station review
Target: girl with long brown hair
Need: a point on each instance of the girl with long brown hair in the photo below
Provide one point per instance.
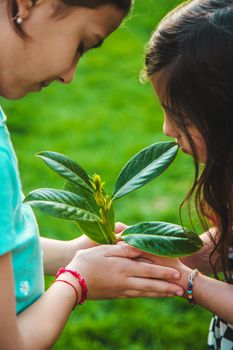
(190, 64)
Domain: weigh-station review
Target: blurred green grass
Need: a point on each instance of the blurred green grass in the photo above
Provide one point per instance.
(103, 118)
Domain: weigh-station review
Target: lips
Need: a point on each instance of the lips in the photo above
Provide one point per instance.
(182, 148)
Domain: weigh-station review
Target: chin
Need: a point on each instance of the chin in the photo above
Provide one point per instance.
(17, 90)
(12, 95)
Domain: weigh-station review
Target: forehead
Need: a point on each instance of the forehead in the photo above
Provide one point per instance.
(102, 20)
(158, 81)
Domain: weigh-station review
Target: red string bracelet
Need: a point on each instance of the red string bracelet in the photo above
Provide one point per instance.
(70, 284)
(79, 278)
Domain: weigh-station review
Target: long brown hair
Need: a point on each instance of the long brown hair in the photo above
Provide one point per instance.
(193, 45)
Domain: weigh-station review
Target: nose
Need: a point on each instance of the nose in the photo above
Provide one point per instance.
(169, 129)
(67, 76)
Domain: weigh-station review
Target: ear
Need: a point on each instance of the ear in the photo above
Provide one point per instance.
(24, 7)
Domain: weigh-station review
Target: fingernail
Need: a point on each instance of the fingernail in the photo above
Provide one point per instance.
(179, 293)
(176, 276)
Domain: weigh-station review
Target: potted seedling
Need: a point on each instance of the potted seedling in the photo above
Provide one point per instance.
(85, 201)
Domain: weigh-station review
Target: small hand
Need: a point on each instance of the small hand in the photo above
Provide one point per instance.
(174, 263)
(112, 272)
(161, 261)
(85, 242)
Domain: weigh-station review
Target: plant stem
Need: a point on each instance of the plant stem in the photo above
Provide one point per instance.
(107, 224)
(104, 203)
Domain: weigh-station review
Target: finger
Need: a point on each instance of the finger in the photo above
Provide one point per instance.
(119, 227)
(158, 259)
(153, 286)
(122, 250)
(141, 294)
(148, 270)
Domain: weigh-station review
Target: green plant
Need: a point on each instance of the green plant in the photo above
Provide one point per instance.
(85, 201)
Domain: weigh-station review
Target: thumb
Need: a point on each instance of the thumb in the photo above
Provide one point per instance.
(119, 227)
(121, 249)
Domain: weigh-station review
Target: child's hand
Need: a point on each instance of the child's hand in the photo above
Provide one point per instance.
(161, 261)
(174, 263)
(113, 272)
(83, 242)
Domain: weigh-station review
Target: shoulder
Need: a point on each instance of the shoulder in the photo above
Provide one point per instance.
(9, 180)
(8, 200)
(7, 173)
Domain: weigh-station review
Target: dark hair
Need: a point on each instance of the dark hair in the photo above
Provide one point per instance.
(122, 5)
(193, 46)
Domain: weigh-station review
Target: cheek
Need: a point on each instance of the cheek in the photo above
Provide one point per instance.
(54, 61)
(201, 149)
(52, 56)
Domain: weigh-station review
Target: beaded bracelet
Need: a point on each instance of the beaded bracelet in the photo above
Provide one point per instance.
(80, 280)
(190, 287)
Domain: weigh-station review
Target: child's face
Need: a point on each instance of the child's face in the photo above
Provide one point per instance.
(172, 130)
(54, 46)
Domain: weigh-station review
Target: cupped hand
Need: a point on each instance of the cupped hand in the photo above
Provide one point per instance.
(112, 271)
(85, 242)
(174, 263)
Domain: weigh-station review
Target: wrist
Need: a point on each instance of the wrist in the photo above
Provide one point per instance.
(74, 245)
(71, 248)
(189, 281)
(75, 280)
(71, 280)
(185, 272)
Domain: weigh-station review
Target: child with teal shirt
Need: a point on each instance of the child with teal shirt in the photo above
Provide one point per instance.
(42, 41)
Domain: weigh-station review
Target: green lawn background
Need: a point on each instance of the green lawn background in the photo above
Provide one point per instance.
(102, 119)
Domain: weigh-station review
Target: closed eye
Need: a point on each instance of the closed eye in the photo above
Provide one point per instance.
(80, 49)
(100, 43)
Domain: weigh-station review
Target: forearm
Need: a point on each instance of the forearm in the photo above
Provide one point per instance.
(214, 295)
(58, 253)
(38, 327)
(55, 254)
(200, 260)
(45, 319)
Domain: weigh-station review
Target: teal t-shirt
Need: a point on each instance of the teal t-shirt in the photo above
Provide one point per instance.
(18, 228)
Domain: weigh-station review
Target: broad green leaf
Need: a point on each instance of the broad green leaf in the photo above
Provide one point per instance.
(66, 168)
(86, 195)
(95, 231)
(162, 238)
(144, 167)
(61, 204)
